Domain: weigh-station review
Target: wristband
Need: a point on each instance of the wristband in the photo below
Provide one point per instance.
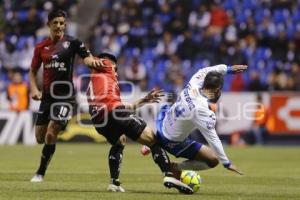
(229, 69)
(227, 164)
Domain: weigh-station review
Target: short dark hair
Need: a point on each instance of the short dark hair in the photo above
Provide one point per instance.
(108, 55)
(213, 80)
(56, 13)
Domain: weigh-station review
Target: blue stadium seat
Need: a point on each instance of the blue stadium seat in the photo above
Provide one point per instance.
(22, 15)
(281, 16)
(230, 4)
(249, 4)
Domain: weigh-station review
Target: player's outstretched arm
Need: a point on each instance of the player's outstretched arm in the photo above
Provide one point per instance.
(237, 68)
(234, 169)
(93, 62)
(152, 97)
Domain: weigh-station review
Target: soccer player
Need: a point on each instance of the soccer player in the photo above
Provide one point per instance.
(193, 110)
(112, 118)
(56, 53)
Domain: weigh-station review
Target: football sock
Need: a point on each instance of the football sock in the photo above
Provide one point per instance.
(47, 153)
(192, 165)
(114, 161)
(161, 158)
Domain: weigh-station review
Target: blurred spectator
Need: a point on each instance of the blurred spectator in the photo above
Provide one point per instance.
(207, 42)
(173, 72)
(255, 83)
(200, 18)
(280, 46)
(295, 76)
(31, 23)
(166, 46)
(110, 44)
(219, 18)
(2, 17)
(259, 130)
(9, 56)
(12, 25)
(178, 83)
(136, 34)
(231, 32)
(186, 49)
(135, 72)
(17, 93)
(25, 56)
(178, 23)
(237, 83)
(266, 30)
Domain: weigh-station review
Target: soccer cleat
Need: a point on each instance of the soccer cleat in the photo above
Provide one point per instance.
(115, 188)
(171, 182)
(37, 178)
(145, 150)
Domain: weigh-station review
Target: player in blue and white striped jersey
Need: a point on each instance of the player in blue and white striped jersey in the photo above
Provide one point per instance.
(193, 110)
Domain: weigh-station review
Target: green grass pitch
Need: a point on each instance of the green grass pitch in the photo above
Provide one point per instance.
(80, 171)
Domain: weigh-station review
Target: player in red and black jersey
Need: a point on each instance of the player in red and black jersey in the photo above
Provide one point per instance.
(56, 54)
(112, 119)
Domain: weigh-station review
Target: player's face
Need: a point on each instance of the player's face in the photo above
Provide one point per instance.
(217, 94)
(57, 27)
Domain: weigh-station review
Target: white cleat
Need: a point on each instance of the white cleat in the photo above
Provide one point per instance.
(171, 182)
(115, 188)
(37, 178)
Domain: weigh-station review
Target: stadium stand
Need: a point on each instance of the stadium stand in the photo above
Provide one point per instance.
(170, 40)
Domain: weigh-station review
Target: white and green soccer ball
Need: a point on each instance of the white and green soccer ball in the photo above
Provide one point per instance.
(192, 179)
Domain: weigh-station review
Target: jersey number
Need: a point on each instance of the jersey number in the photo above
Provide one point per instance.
(92, 96)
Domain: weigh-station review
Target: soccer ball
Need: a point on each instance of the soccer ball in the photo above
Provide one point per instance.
(192, 179)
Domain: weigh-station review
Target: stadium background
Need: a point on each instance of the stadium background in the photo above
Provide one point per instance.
(161, 44)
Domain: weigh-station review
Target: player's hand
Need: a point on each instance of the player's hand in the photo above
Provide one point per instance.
(235, 169)
(239, 68)
(36, 95)
(97, 63)
(154, 96)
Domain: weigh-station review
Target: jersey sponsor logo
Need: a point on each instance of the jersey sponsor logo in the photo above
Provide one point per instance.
(66, 44)
(188, 99)
(46, 47)
(58, 65)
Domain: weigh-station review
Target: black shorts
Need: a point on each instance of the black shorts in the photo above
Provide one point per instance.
(59, 111)
(120, 121)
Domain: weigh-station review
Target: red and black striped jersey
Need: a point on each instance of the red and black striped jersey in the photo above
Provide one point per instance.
(104, 90)
(57, 59)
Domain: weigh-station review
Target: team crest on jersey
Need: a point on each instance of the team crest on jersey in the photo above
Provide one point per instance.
(66, 44)
(210, 124)
(54, 56)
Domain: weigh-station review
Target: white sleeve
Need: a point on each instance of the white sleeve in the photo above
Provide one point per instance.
(198, 78)
(206, 124)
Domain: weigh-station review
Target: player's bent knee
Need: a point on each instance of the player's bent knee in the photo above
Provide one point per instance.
(122, 140)
(50, 138)
(213, 162)
(40, 140)
(147, 137)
